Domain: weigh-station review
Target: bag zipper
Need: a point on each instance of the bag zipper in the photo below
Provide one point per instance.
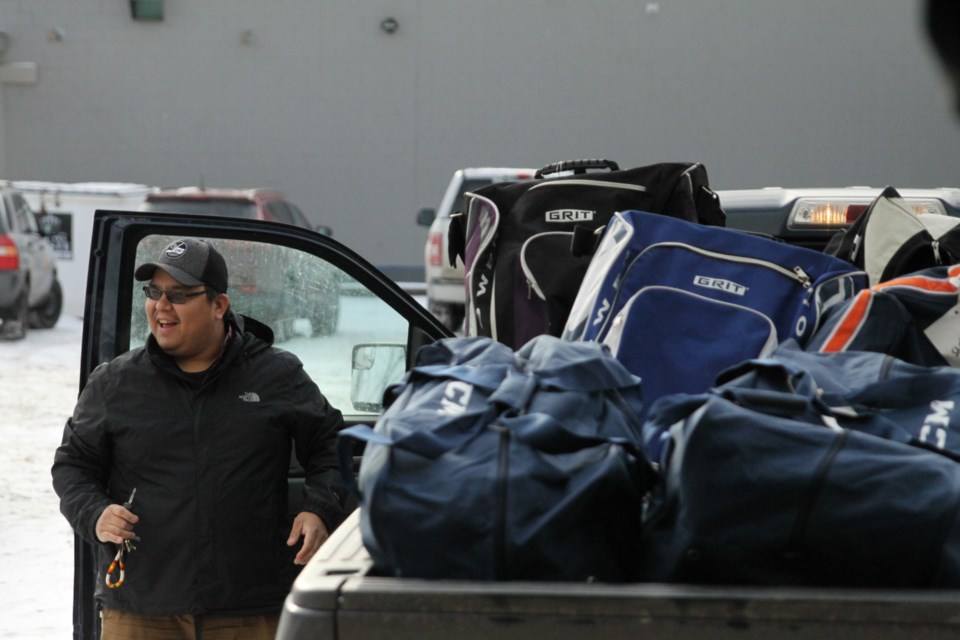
(532, 284)
(812, 294)
(619, 318)
(476, 315)
(796, 274)
(857, 239)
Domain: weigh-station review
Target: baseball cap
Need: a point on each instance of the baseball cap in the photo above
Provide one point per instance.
(190, 262)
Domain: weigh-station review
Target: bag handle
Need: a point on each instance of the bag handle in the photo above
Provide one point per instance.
(778, 403)
(547, 434)
(577, 166)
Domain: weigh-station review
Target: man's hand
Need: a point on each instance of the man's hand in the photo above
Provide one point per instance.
(115, 524)
(314, 533)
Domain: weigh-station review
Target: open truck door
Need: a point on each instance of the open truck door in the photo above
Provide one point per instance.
(293, 271)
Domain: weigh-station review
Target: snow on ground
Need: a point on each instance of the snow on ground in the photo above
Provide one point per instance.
(39, 378)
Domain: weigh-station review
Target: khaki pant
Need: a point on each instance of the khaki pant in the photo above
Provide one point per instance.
(121, 625)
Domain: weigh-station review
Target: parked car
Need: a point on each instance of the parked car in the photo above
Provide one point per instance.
(30, 292)
(255, 289)
(445, 292)
(252, 204)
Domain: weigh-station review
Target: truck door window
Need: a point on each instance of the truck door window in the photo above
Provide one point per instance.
(315, 309)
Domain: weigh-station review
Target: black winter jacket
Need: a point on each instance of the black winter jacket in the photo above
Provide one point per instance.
(209, 460)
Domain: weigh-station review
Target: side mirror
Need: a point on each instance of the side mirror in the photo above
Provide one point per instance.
(425, 216)
(374, 368)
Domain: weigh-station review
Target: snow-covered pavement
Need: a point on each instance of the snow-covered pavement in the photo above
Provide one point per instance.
(39, 379)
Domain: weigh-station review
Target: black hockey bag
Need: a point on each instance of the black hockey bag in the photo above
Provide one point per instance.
(521, 273)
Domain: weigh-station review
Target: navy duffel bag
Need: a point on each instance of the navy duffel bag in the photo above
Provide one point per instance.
(490, 465)
(812, 469)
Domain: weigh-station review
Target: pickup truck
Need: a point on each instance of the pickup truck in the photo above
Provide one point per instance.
(340, 596)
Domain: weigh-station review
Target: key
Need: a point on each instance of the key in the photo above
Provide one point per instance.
(128, 505)
(129, 502)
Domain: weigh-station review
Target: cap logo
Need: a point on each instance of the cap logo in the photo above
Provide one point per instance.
(176, 249)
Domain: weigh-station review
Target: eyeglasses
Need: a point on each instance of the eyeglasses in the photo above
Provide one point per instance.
(173, 297)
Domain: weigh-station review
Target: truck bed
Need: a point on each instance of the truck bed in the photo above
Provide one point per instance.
(337, 596)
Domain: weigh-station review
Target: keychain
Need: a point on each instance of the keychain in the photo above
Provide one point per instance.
(124, 549)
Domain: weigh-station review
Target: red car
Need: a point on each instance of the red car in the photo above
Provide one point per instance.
(30, 291)
(250, 204)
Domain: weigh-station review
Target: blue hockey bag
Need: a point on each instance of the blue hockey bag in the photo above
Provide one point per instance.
(809, 469)
(513, 466)
(679, 302)
(915, 317)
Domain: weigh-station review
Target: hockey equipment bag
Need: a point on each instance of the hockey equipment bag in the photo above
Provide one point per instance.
(890, 239)
(679, 302)
(490, 465)
(915, 317)
(775, 479)
(521, 275)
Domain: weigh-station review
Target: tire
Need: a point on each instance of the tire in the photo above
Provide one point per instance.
(15, 327)
(46, 315)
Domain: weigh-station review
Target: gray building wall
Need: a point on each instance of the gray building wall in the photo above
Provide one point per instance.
(361, 127)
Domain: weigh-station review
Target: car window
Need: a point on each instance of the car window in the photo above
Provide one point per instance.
(299, 217)
(315, 309)
(280, 212)
(232, 209)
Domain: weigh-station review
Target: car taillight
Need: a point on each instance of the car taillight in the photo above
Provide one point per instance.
(841, 213)
(435, 250)
(9, 256)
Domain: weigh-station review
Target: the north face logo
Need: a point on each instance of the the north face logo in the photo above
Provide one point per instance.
(249, 396)
(176, 249)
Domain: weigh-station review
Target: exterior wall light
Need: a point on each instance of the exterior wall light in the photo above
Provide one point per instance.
(389, 25)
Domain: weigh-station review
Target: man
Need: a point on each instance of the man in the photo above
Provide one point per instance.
(199, 422)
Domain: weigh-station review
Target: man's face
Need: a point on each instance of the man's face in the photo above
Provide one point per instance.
(189, 332)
